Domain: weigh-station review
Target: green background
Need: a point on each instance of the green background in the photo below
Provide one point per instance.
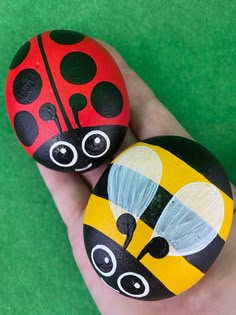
(184, 50)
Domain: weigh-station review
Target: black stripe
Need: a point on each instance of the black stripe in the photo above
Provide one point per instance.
(54, 88)
(205, 258)
(154, 210)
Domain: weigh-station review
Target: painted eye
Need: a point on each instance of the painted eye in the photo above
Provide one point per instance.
(95, 144)
(104, 260)
(63, 153)
(133, 284)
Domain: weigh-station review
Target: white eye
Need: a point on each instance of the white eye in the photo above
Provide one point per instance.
(95, 144)
(104, 260)
(133, 284)
(63, 154)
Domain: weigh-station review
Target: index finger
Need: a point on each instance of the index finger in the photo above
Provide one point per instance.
(149, 117)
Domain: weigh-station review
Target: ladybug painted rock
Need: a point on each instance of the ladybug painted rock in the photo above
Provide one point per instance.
(158, 218)
(67, 101)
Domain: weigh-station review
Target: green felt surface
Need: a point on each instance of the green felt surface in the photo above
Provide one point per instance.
(185, 50)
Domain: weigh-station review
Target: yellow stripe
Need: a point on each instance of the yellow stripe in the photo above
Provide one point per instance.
(174, 272)
(228, 217)
(179, 174)
(98, 214)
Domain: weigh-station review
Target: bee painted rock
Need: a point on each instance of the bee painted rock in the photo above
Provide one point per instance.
(158, 218)
(67, 101)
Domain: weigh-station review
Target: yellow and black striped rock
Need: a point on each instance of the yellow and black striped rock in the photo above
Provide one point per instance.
(158, 218)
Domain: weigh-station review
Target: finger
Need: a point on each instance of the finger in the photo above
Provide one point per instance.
(234, 196)
(129, 140)
(149, 117)
(69, 192)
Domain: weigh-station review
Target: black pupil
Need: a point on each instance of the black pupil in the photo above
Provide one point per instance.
(63, 154)
(132, 285)
(102, 260)
(95, 144)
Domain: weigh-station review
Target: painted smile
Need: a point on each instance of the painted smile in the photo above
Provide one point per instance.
(84, 168)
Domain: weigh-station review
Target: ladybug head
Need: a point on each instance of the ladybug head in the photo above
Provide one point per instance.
(79, 149)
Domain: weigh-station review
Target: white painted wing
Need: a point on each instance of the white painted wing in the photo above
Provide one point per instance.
(133, 180)
(192, 218)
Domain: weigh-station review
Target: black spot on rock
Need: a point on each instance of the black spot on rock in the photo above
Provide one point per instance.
(20, 55)
(66, 37)
(78, 68)
(27, 86)
(107, 99)
(26, 127)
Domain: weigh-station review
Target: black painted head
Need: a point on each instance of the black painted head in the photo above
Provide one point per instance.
(120, 270)
(79, 149)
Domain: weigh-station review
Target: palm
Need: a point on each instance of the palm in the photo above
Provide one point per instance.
(213, 294)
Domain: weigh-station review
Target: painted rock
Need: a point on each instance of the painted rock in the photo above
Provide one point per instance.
(158, 218)
(67, 101)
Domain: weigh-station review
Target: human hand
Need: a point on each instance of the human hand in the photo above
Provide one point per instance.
(214, 294)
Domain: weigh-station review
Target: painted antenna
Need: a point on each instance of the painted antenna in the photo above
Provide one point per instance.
(48, 112)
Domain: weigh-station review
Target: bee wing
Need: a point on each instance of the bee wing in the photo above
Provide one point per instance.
(192, 218)
(133, 180)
